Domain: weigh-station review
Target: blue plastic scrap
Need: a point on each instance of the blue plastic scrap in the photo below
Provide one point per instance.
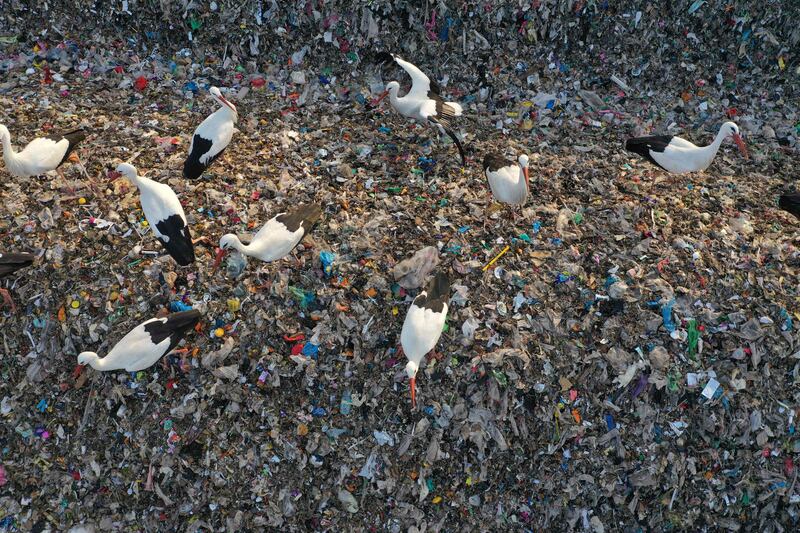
(666, 314)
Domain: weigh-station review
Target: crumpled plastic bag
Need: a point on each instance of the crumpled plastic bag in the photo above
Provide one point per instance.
(412, 272)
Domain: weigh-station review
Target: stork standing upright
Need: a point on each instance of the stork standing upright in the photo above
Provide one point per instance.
(164, 214)
(509, 183)
(211, 137)
(423, 326)
(41, 155)
(422, 102)
(679, 156)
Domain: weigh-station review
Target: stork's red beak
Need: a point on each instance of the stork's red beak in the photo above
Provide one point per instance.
(740, 143)
(113, 175)
(383, 95)
(527, 178)
(218, 259)
(226, 102)
(412, 383)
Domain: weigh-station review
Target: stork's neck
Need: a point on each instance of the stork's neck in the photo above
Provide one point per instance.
(136, 180)
(96, 362)
(712, 148)
(246, 249)
(227, 112)
(393, 98)
(9, 155)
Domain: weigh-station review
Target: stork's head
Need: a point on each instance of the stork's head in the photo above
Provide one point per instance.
(215, 92)
(411, 372)
(227, 242)
(127, 170)
(392, 88)
(731, 130)
(87, 358)
(5, 136)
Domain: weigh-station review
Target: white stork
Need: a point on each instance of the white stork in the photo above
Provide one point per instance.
(211, 137)
(164, 214)
(145, 344)
(679, 156)
(423, 326)
(509, 182)
(41, 155)
(276, 238)
(422, 103)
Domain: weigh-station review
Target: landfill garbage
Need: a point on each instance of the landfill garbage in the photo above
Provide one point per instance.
(624, 357)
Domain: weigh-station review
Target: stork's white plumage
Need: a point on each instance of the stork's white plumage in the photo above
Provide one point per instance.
(276, 238)
(164, 214)
(509, 182)
(211, 137)
(145, 344)
(423, 326)
(679, 156)
(41, 155)
(422, 102)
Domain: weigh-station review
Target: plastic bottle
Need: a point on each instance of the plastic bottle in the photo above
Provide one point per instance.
(235, 264)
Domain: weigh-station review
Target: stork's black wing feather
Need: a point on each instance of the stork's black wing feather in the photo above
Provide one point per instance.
(174, 327)
(179, 242)
(436, 295)
(494, 162)
(644, 145)
(305, 215)
(73, 137)
(192, 167)
(384, 58)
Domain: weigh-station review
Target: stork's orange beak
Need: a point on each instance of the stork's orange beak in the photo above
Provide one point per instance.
(412, 383)
(73, 158)
(740, 143)
(527, 178)
(380, 98)
(218, 259)
(227, 103)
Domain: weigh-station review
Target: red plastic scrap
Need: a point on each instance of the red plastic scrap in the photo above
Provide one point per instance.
(141, 83)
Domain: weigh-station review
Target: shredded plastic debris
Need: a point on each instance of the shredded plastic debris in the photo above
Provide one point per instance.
(622, 358)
